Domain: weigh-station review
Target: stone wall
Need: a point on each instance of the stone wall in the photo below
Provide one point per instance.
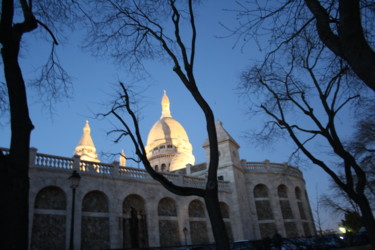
(95, 233)
(49, 219)
(48, 232)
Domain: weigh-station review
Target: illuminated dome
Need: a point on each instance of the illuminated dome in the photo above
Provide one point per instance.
(168, 146)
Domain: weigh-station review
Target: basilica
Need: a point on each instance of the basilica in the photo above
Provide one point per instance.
(118, 206)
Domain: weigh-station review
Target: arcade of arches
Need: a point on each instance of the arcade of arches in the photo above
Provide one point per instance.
(50, 213)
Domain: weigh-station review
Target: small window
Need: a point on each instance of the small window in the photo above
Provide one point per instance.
(163, 167)
(156, 168)
(162, 147)
(170, 146)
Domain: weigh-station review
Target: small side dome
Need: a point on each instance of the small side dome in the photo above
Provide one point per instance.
(86, 148)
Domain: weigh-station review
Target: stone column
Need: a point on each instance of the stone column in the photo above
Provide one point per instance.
(32, 157)
(114, 214)
(76, 161)
(152, 224)
(116, 169)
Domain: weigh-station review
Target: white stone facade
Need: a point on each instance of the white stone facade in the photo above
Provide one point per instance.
(122, 207)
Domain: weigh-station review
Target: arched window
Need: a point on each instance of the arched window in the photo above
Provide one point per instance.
(197, 222)
(168, 223)
(95, 201)
(134, 223)
(196, 209)
(167, 207)
(50, 198)
(156, 168)
(95, 221)
(300, 203)
(298, 193)
(224, 208)
(260, 191)
(163, 167)
(286, 211)
(282, 191)
(50, 212)
(262, 202)
(263, 207)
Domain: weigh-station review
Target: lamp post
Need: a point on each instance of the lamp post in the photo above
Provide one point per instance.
(74, 183)
(185, 230)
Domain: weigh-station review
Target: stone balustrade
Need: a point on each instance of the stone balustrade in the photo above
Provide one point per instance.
(267, 166)
(48, 161)
(52, 162)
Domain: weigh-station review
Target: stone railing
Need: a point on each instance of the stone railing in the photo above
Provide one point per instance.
(48, 161)
(178, 179)
(51, 162)
(267, 166)
(95, 167)
(134, 173)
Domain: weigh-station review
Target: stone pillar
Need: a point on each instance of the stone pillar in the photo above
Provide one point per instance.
(152, 224)
(188, 170)
(78, 219)
(76, 161)
(115, 221)
(183, 219)
(116, 168)
(294, 205)
(32, 156)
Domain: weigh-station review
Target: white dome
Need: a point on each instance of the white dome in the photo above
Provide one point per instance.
(167, 130)
(168, 142)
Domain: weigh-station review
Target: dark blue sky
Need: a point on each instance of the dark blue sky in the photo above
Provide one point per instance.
(218, 68)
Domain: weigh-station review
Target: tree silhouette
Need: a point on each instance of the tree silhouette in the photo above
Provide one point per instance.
(135, 31)
(14, 165)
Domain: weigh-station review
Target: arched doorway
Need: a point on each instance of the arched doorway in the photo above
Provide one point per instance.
(49, 219)
(95, 221)
(134, 223)
(198, 224)
(266, 222)
(168, 223)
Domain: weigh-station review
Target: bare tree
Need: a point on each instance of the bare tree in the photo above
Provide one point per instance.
(304, 98)
(14, 165)
(317, 214)
(135, 31)
(346, 27)
(362, 148)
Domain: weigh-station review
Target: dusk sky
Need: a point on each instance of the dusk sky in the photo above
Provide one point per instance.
(95, 80)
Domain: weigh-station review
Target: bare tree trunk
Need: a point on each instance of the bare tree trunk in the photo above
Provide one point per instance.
(14, 167)
(218, 227)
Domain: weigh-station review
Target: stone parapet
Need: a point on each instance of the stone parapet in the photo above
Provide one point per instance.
(52, 162)
(267, 167)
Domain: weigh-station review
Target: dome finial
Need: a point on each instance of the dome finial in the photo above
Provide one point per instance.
(165, 104)
(86, 128)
